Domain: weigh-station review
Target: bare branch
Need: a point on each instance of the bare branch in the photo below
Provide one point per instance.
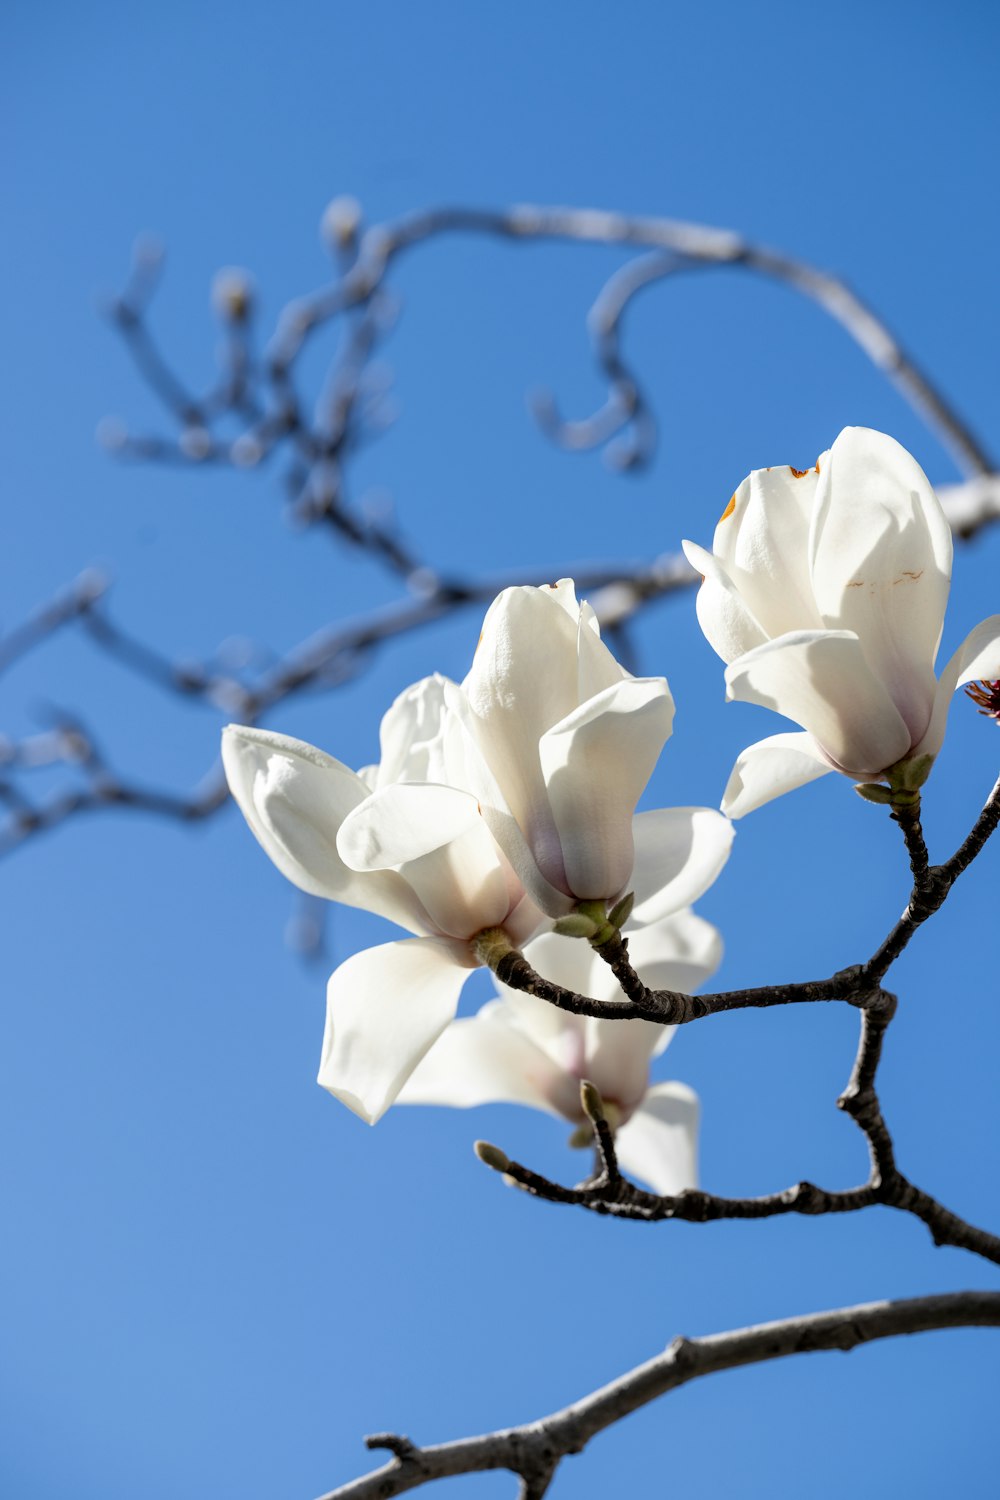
(533, 1451)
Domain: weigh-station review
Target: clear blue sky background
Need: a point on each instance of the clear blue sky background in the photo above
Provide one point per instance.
(215, 1279)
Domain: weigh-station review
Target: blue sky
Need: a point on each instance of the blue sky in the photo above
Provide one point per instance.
(215, 1279)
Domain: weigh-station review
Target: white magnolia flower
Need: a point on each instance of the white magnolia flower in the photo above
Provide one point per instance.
(825, 593)
(521, 1050)
(391, 841)
(570, 739)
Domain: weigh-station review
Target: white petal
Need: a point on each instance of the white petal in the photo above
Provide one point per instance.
(726, 619)
(550, 898)
(763, 545)
(679, 852)
(484, 1060)
(822, 680)
(436, 838)
(881, 563)
(538, 654)
(414, 733)
(295, 798)
(465, 885)
(402, 822)
(659, 1144)
(770, 767)
(596, 764)
(977, 659)
(385, 1008)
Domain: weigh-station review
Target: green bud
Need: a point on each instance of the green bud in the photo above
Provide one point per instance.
(909, 775)
(590, 1098)
(492, 1156)
(576, 925)
(873, 791)
(619, 914)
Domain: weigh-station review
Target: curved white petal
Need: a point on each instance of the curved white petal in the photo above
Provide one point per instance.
(538, 655)
(822, 680)
(770, 767)
(436, 838)
(521, 682)
(726, 620)
(414, 735)
(977, 659)
(679, 852)
(402, 822)
(385, 1008)
(465, 885)
(484, 1060)
(762, 542)
(295, 798)
(524, 858)
(659, 1144)
(596, 764)
(880, 557)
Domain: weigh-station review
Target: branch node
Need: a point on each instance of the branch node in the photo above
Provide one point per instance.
(400, 1446)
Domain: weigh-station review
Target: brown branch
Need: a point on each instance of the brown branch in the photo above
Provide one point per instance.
(534, 1450)
(608, 1192)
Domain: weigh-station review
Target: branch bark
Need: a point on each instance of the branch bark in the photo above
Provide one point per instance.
(535, 1450)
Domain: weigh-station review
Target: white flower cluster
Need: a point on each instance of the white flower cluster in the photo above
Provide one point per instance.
(502, 803)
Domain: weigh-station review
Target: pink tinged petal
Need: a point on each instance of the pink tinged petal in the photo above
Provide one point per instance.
(485, 1060)
(726, 620)
(822, 680)
(659, 1144)
(295, 798)
(764, 547)
(977, 659)
(596, 764)
(679, 852)
(769, 768)
(880, 557)
(436, 838)
(385, 1009)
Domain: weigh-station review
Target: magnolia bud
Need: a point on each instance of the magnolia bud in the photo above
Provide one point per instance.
(233, 294)
(492, 1156)
(590, 1099)
(873, 791)
(340, 222)
(622, 910)
(575, 925)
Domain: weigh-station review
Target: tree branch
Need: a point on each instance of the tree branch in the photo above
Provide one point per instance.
(534, 1450)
